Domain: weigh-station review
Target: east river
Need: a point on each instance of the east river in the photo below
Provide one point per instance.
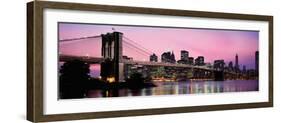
(174, 88)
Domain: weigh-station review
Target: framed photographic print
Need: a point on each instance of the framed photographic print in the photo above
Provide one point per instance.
(97, 61)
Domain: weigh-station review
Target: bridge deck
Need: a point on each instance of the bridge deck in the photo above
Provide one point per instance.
(165, 64)
(97, 60)
(90, 60)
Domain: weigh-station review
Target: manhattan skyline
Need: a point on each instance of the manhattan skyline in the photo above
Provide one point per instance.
(210, 43)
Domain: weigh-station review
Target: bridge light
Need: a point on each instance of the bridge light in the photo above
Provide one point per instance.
(110, 79)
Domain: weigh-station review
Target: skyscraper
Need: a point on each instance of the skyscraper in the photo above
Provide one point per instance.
(184, 55)
(168, 57)
(230, 66)
(244, 69)
(173, 59)
(153, 58)
(199, 61)
(236, 63)
(190, 60)
(257, 62)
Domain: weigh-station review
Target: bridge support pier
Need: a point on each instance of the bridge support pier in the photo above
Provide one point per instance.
(219, 75)
(113, 69)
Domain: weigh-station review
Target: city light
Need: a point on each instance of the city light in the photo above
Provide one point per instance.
(110, 79)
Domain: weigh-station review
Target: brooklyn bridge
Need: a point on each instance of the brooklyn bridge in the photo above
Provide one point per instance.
(116, 67)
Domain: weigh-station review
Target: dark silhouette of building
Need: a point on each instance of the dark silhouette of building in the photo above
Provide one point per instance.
(251, 73)
(257, 62)
(236, 64)
(219, 65)
(244, 69)
(168, 57)
(153, 58)
(173, 59)
(190, 60)
(199, 61)
(230, 66)
(184, 55)
(165, 57)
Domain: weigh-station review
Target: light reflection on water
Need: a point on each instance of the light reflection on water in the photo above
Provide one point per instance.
(174, 88)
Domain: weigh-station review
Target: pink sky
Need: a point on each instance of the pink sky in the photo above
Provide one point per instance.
(212, 44)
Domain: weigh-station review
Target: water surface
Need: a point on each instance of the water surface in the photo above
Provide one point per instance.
(174, 88)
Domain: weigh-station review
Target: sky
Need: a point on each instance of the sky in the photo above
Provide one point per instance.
(210, 43)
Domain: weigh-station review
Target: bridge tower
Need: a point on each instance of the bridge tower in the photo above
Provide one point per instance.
(112, 67)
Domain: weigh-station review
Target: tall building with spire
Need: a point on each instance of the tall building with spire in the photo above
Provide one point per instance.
(257, 62)
(236, 63)
(173, 59)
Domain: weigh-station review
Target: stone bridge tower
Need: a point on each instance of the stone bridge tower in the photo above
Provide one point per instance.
(112, 67)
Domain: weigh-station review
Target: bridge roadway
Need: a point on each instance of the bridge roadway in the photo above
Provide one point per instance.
(165, 64)
(97, 60)
(87, 59)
